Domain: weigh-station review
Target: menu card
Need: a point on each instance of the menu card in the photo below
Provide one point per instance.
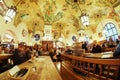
(14, 70)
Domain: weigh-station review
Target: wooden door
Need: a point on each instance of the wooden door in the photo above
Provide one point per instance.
(46, 45)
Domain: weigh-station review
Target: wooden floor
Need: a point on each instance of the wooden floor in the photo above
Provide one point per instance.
(67, 74)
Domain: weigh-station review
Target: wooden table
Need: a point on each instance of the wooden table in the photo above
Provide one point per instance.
(45, 70)
(5, 56)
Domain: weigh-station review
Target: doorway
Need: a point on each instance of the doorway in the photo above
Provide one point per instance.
(46, 45)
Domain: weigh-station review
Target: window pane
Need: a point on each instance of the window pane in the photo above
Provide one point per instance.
(107, 39)
(86, 38)
(112, 25)
(108, 26)
(105, 28)
(107, 34)
(116, 36)
(113, 38)
(114, 31)
(110, 32)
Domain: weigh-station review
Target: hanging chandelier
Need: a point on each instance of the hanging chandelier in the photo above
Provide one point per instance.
(11, 12)
(84, 17)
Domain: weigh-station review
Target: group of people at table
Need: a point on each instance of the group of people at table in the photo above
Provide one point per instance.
(19, 55)
(23, 53)
(98, 48)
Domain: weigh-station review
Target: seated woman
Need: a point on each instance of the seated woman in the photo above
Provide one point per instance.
(111, 43)
(96, 47)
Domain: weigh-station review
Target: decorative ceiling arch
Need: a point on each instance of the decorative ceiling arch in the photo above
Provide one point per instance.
(12, 34)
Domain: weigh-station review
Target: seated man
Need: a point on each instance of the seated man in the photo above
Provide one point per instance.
(19, 55)
(117, 51)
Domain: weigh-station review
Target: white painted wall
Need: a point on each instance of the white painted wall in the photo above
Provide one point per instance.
(18, 31)
(101, 26)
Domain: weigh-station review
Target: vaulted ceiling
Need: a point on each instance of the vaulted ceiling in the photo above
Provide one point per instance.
(63, 14)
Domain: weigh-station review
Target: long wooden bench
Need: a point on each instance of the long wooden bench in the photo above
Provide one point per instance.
(106, 69)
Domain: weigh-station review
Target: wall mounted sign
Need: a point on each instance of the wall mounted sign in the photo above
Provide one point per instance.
(37, 37)
(74, 38)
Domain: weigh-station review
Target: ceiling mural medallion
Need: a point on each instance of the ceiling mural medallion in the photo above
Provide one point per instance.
(50, 14)
(73, 4)
(93, 29)
(74, 38)
(75, 22)
(100, 34)
(30, 14)
(24, 32)
(112, 14)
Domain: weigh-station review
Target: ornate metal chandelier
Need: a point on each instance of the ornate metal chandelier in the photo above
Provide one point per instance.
(10, 12)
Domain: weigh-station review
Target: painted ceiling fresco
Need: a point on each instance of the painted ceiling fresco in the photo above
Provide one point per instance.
(37, 13)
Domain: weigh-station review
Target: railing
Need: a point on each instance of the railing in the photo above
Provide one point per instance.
(102, 69)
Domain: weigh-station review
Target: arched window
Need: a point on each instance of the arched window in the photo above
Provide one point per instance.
(111, 31)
